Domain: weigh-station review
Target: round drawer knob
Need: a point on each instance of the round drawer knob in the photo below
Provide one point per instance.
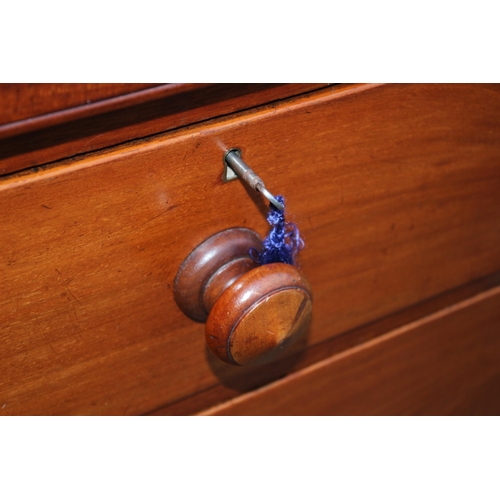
(252, 313)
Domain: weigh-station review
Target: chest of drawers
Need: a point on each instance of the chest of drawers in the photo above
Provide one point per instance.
(395, 190)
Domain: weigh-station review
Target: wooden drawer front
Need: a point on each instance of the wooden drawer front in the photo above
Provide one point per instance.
(446, 364)
(395, 189)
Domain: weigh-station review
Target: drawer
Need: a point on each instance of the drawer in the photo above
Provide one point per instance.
(394, 189)
(444, 364)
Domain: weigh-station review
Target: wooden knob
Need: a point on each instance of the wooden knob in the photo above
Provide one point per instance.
(252, 313)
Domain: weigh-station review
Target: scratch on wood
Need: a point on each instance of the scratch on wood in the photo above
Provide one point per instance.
(71, 293)
(156, 216)
(66, 285)
(89, 142)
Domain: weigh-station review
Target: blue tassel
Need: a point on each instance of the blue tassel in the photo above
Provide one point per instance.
(283, 241)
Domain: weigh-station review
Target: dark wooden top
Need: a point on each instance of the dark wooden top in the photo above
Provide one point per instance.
(70, 126)
(20, 101)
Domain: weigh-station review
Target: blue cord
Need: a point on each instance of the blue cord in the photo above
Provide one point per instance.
(283, 241)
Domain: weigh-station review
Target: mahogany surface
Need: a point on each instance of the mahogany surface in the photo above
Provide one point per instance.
(260, 315)
(445, 364)
(254, 313)
(394, 188)
(211, 267)
(220, 393)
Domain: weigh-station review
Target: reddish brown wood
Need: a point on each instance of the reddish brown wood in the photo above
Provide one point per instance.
(445, 364)
(211, 267)
(254, 315)
(394, 189)
(19, 101)
(260, 315)
(223, 278)
(90, 127)
(220, 393)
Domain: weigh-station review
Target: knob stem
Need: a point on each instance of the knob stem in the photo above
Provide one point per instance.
(211, 268)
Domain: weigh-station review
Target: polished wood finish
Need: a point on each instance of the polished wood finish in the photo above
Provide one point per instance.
(19, 101)
(211, 268)
(82, 129)
(222, 392)
(394, 189)
(260, 315)
(254, 314)
(445, 364)
(223, 278)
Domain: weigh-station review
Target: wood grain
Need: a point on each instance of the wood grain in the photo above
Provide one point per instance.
(220, 393)
(393, 187)
(445, 364)
(207, 271)
(79, 130)
(19, 101)
(260, 315)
